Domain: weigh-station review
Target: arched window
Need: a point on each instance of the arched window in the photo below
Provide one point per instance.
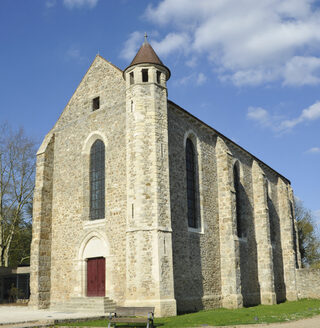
(97, 177)
(271, 214)
(191, 185)
(236, 182)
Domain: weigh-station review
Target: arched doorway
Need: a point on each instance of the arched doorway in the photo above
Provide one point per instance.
(94, 253)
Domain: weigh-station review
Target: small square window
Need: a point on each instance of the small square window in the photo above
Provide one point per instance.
(144, 75)
(96, 103)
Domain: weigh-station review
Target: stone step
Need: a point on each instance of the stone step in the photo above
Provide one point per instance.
(85, 304)
(82, 306)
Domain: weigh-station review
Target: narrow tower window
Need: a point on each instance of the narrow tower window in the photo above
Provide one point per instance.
(96, 103)
(131, 78)
(158, 77)
(97, 180)
(236, 182)
(144, 75)
(191, 185)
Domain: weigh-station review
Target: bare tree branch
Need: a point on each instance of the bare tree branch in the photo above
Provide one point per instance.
(17, 168)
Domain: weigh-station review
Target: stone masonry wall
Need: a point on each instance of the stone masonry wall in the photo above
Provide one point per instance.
(247, 241)
(149, 251)
(265, 269)
(286, 241)
(308, 283)
(214, 266)
(196, 254)
(75, 132)
(40, 261)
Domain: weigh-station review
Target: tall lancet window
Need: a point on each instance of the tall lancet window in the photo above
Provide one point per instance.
(97, 180)
(270, 210)
(191, 185)
(236, 182)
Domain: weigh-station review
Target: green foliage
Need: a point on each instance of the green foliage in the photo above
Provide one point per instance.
(19, 253)
(223, 317)
(309, 243)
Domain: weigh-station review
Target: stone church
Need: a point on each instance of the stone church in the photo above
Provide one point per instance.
(139, 203)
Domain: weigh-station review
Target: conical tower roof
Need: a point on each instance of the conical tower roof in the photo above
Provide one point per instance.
(146, 55)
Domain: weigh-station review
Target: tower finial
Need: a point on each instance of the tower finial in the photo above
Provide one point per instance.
(145, 37)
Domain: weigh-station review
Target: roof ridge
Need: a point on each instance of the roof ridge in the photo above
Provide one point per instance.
(109, 62)
(228, 139)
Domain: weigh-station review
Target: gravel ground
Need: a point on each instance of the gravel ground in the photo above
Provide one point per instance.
(23, 316)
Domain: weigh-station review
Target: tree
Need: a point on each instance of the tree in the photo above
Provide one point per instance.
(19, 253)
(17, 167)
(309, 242)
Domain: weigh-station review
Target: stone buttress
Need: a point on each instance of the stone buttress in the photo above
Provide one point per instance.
(149, 235)
(229, 243)
(294, 228)
(40, 261)
(262, 228)
(287, 241)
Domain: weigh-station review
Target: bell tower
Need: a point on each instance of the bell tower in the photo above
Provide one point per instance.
(149, 235)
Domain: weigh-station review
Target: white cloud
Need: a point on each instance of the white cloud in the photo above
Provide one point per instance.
(314, 150)
(302, 71)
(192, 79)
(131, 45)
(259, 115)
(192, 62)
(184, 80)
(251, 42)
(171, 43)
(80, 3)
(251, 77)
(277, 123)
(50, 3)
(201, 79)
(309, 114)
(73, 53)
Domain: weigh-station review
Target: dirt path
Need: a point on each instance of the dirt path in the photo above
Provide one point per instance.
(313, 322)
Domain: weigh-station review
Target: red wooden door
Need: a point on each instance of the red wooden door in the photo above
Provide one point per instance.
(96, 277)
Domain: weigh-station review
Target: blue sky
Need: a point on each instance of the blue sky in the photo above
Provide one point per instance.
(250, 69)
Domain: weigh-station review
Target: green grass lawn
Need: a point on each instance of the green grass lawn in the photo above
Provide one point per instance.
(223, 317)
